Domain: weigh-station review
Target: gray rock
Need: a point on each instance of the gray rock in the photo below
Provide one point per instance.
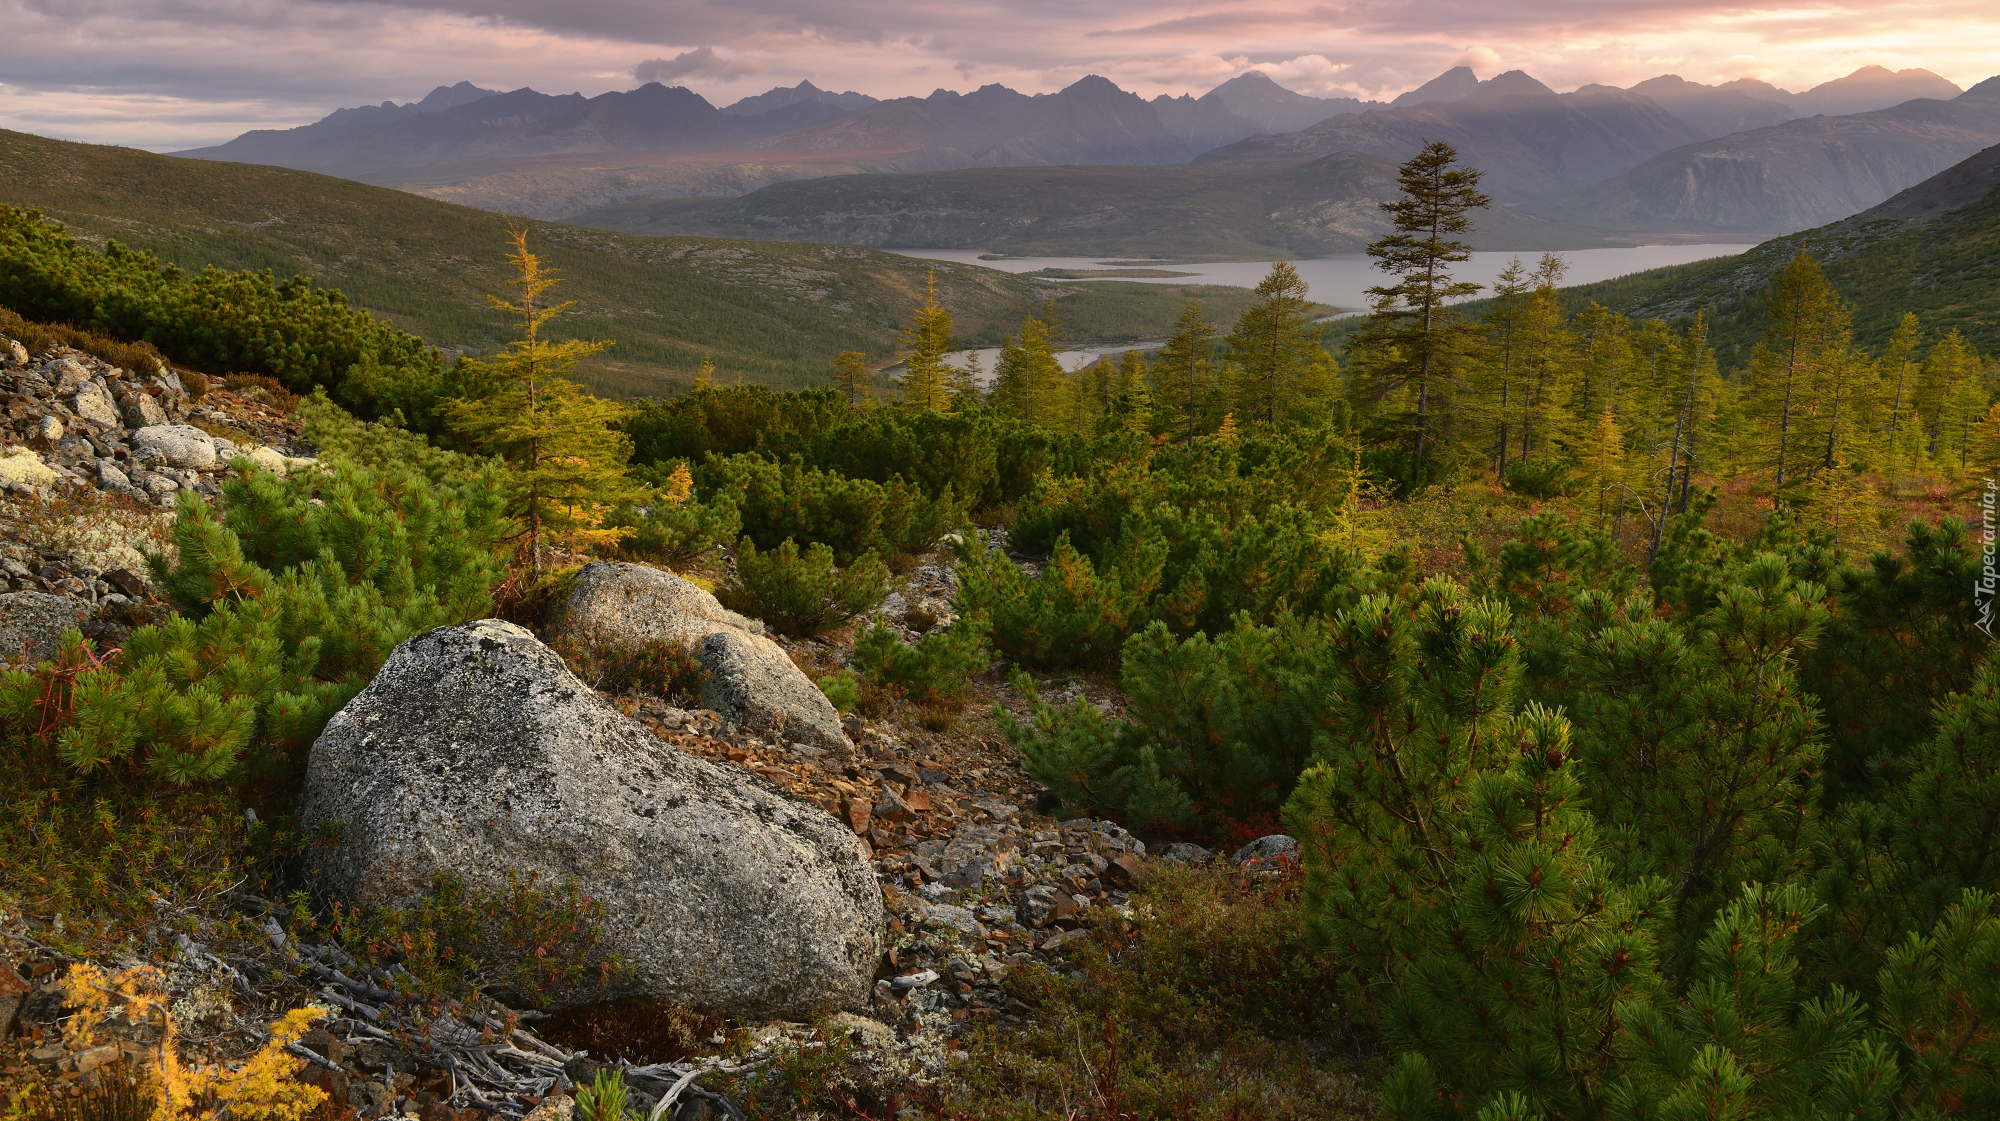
(67, 375)
(1184, 853)
(958, 918)
(177, 445)
(636, 603)
(158, 486)
(1038, 906)
(108, 474)
(754, 683)
(476, 751)
(140, 410)
(751, 680)
(1266, 849)
(32, 624)
(93, 404)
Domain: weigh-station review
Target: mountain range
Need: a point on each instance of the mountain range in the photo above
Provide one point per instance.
(1621, 162)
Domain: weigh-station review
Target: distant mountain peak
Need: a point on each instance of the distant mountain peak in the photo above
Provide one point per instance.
(805, 93)
(1513, 83)
(1452, 85)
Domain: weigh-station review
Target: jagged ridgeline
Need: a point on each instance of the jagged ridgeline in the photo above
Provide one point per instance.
(770, 313)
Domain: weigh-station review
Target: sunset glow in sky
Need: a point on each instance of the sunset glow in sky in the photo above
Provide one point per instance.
(170, 74)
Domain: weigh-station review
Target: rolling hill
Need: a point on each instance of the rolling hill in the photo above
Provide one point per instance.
(771, 313)
(1189, 211)
(1933, 248)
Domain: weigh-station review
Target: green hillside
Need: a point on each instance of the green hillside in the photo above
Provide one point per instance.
(771, 313)
(1946, 269)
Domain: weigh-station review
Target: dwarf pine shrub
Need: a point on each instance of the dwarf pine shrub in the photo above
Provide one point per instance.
(802, 594)
(936, 669)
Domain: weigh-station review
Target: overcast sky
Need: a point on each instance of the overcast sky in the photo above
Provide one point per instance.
(170, 74)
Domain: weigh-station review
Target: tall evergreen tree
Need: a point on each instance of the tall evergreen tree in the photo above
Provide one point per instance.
(1185, 373)
(1277, 362)
(566, 450)
(1415, 344)
(926, 377)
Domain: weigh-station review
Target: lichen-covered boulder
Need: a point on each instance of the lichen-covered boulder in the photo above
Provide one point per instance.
(32, 624)
(751, 680)
(475, 751)
(176, 445)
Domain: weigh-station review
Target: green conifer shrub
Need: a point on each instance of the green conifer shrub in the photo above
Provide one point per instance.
(1072, 615)
(936, 668)
(801, 594)
(676, 534)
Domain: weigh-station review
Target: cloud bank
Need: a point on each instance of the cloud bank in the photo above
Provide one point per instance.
(168, 74)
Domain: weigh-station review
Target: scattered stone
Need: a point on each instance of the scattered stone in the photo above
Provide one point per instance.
(140, 410)
(476, 751)
(1266, 851)
(93, 404)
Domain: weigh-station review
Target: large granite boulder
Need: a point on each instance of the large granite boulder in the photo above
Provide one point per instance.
(476, 751)
(751, 680)
(176, 445)
(32, 624)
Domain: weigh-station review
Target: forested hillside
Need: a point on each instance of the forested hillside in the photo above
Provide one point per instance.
(774, 314)
(1930, 249)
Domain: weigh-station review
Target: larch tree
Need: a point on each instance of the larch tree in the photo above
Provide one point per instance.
(1415, 344)
(1028, 380)
(852, 380)
(1809, 328)
(1897, 359)
(1185, 373)
(564, 447)
(1276, 360)
(926, 377)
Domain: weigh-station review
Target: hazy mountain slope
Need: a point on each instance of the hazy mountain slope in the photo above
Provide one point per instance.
(783, 97)
(778, 313)
(1871, 88)
(1526, 138)
(1327, 205)
(466, 131)
(1933, 248)
(1451, 85)
(1201, 123)
(1714, 111)
(341, 120)
(1091, 121)
(1253, 96)
(1792, 176)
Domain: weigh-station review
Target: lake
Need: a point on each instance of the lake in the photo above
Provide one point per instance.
(1340, 280)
